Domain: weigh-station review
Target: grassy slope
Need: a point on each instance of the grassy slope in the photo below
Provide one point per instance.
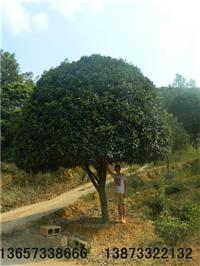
(83, 218)
(20, 188)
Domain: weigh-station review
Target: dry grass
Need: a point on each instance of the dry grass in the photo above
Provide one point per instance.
(20, 188)
(82, 219)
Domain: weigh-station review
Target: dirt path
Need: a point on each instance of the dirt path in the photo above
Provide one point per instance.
(20, 216)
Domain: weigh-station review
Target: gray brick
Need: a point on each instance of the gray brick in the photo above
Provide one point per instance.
(49, 230)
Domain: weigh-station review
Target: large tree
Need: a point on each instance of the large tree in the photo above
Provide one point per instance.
(10, 71)
(180, 82)
(178, 87)
(15, 90)
(13, 97)
(89, 113)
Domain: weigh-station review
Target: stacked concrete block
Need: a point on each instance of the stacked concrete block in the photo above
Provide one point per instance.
(50, 236)
(50, 230)
(75, 242)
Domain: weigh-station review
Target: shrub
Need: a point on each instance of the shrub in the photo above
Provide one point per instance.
(175, 187)
(158, 184)
(136, 182)
(189, 213)
(172, 230)
(156, 204)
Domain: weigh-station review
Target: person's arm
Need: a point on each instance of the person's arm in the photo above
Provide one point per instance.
(125, 188)
(109, 169)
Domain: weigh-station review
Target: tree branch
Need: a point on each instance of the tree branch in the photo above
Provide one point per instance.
(101, 168)
(93, 178)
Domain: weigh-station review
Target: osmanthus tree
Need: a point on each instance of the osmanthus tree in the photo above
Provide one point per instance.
(89, 113)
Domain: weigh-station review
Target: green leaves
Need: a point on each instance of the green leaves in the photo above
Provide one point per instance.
(95, 109)
(182, 225)
(172, 230)
(13, 97)
(186, 107)
(182, 99)
(15, 90)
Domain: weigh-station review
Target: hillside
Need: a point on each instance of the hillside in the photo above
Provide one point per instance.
(151, 193)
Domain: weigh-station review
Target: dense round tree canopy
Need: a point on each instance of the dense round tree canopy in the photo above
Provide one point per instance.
(97, 109)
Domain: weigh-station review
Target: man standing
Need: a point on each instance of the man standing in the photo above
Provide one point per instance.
(120, 184)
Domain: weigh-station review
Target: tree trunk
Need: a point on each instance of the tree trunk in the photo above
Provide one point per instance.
(104, 204)
(101, 167)
(99, 181)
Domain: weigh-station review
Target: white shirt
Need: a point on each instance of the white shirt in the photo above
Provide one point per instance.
(119, 182)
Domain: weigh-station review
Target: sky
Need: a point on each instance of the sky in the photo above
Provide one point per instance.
(161, 37)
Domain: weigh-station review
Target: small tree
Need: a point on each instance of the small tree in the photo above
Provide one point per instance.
(92, 112)
(178, 137)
